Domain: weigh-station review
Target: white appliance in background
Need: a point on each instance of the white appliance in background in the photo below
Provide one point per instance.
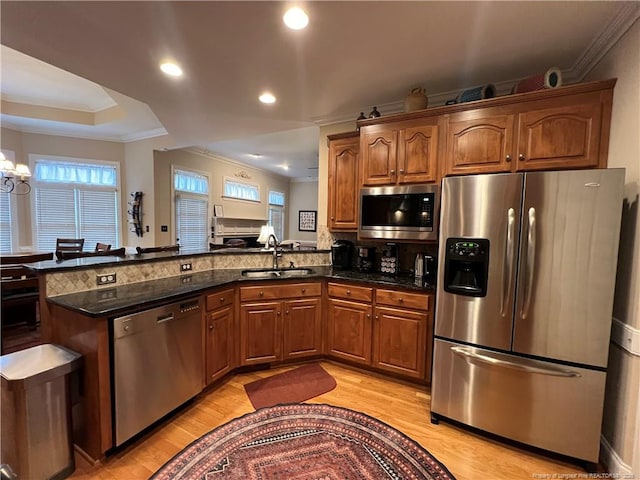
(527, 266)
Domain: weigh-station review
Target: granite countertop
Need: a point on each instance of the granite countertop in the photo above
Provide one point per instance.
(125, 299)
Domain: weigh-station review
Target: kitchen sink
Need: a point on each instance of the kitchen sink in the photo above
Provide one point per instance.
(276, 272)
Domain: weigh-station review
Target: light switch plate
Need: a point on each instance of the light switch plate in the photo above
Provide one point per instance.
(105, 278)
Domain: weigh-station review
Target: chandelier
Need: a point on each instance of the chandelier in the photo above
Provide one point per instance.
(13, 178)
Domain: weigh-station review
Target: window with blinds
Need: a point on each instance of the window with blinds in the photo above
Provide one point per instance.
(276, 212)
(75, 200)
(192, 209)
(6, 240)
(240, 190)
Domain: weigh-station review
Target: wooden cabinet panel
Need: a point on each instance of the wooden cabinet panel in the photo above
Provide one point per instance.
(400, 341)
(302, 329)
(350, 292)
(260, 332)
(562, 137)
(378, 150)
(349, 333)
(223, 298)
(219, 342)
(417, 154)
(270, 292)
(343, 183)
(479, 145)
(402, 299)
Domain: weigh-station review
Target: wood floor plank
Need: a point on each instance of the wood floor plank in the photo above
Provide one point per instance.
(402, 405)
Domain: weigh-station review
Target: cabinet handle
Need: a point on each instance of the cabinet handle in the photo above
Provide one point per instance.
(333, 218)
(210, 327)
(401, 170)
(278, 312)
(377, 317)
(261, 293)
(400, 300)
(221, 299)
(368, 315)
(508, 158)
(304, 290)
(348, 292)
(521, 157)
(286, 312)
(393, 172)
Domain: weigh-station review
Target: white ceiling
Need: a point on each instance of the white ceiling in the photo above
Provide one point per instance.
(352, 56)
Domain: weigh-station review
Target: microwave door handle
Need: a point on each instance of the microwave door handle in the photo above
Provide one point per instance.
(530, 263)
(507, 270)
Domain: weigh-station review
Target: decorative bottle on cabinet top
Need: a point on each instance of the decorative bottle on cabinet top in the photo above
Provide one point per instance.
(416, 100)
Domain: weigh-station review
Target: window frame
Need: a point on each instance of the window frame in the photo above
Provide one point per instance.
(35, 157)
(256, 186)
(175, 193)
(13, 208)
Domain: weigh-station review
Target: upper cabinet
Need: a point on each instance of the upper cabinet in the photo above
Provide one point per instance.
(399, 153)
(541, 132)
(343, 181)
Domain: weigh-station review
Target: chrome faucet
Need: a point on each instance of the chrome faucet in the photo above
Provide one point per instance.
(277, 253)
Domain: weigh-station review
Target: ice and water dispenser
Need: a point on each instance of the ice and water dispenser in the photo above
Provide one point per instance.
(466, 266)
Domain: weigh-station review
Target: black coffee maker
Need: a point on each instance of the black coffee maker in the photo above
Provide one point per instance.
(341, 252)
(365, 259)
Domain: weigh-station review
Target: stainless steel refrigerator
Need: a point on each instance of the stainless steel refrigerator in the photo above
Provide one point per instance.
(526, 276)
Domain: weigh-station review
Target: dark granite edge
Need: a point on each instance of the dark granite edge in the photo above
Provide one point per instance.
(125, 299)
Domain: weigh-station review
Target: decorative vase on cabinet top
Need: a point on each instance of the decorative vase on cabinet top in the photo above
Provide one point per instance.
(416, 100)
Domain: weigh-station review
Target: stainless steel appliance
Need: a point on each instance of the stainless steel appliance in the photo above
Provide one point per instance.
(341, 252)
(365, 259)
(524, 305)
(425, 269)
(399, 213)
(157, 360)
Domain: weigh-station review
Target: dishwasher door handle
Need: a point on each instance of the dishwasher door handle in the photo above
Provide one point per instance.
(164, 318)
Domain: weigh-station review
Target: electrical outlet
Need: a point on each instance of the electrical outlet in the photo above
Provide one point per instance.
(185, 279)
(185, 267)
(105, 278)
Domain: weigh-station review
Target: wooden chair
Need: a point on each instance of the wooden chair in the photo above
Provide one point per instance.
(167, 248)
(62, 255)
(19, 296)
(69, 244)
(102, 247)
(22, 259)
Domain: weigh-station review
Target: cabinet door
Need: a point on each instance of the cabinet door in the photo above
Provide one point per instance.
(260, 332)
(479, 145)
(302, 328)
(557, 138)
(349, 331)
(399, 341)
(219, 343)
(417, 154)
(378, 148)
(343, 181)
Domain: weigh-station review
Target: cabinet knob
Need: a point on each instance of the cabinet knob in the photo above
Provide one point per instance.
(261, 293)
(286, 312)
(348, 292)
(401, 300)
(304, 290)
(333, 218)
(521, 157)
(368, 315)
(401, 170)
(508, 158)
(278, 312)
(393, 172)
(211, 327)
(377, 317)
(221, 299)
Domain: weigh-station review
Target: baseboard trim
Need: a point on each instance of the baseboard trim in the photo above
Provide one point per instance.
(626, 337)
(612, 461)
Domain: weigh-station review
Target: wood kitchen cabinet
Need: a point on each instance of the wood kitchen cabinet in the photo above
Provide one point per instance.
(551, 130)
(219, 334)
(399, 153)
(343, 181)
(280, 322)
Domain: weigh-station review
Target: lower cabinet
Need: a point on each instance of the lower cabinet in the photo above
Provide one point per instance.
(391, 332)
(219, 334)
(280, 322)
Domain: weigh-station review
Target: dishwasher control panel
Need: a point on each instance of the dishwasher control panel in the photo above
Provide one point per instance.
(189, 306)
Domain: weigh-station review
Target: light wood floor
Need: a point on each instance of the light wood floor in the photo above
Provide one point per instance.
(401, 405)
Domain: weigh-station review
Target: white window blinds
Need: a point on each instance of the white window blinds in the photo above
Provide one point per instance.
(241, 191)
(6, 240)
(276, 198)
(192, 209)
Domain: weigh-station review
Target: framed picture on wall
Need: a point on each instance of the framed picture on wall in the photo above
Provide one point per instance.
(307, 220)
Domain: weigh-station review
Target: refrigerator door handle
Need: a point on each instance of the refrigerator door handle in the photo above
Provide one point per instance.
(509, 254)
(470, 356)
(531, 261)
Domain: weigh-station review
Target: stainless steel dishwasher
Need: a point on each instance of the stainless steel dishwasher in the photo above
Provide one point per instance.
(157, 360)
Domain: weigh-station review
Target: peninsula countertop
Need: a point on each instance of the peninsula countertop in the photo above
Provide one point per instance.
(121, 300)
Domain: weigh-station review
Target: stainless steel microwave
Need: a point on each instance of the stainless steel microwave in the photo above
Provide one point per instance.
(399, 213)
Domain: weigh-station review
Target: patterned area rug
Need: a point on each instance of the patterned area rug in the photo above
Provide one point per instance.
(304, 442)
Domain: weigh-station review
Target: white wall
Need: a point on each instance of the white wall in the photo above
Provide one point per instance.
(621, 426)
(303, 195)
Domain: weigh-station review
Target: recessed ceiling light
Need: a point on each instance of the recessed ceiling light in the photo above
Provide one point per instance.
(284, 167)
(172, 69)
(295, 18)
(267, 97)
(255, 155)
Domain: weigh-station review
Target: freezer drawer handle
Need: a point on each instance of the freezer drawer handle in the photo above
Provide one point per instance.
(515, 366)
(509, 253)
(531, 260)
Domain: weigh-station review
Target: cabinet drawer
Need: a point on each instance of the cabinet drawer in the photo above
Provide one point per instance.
(219, 299)
(403, 299)
(350, 292)
(297, 290)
